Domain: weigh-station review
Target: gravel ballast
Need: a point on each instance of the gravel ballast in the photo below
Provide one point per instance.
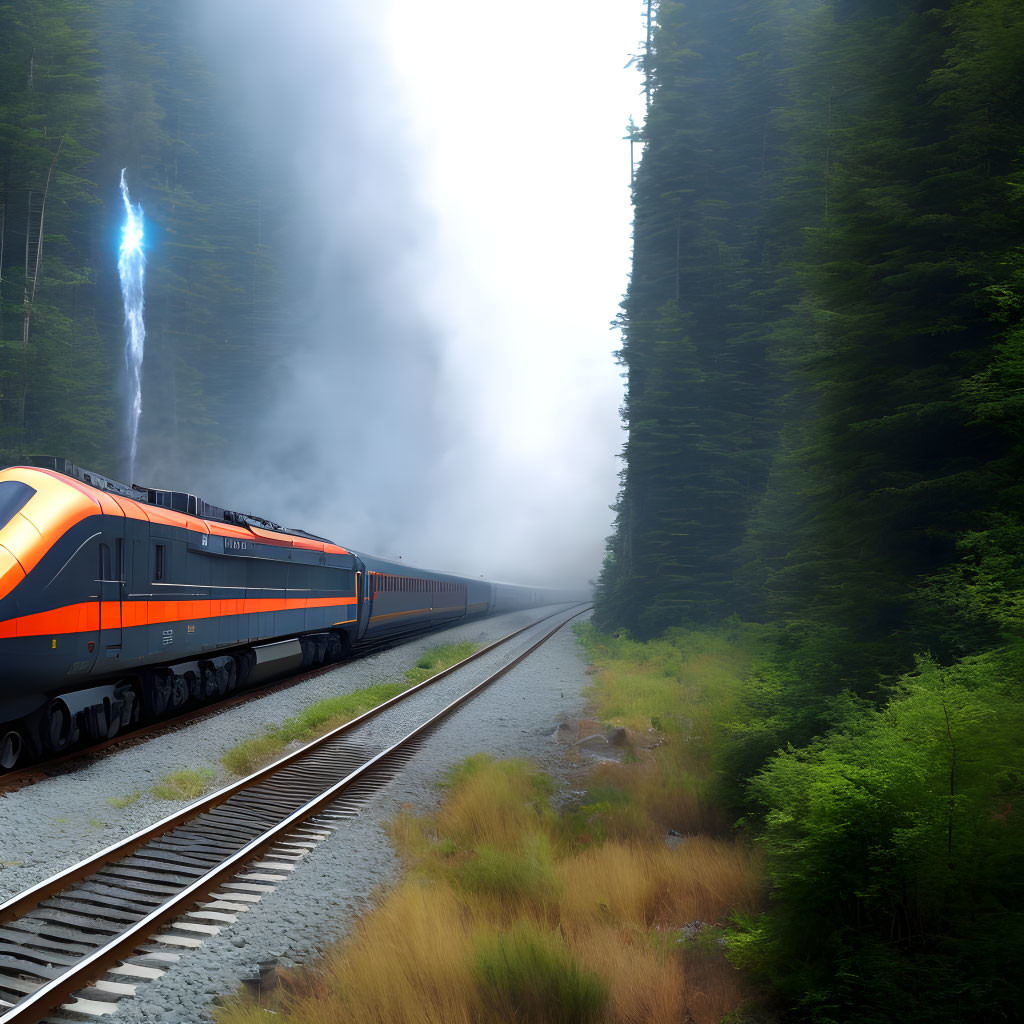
(56, 822)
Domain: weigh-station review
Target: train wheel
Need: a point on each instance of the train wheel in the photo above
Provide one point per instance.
(156, 693)
(130, 705)
(180, 692)
(56, 731)
(339, 646)
(11, 744)
(230, 671)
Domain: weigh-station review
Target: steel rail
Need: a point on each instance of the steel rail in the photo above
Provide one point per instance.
(53, 993)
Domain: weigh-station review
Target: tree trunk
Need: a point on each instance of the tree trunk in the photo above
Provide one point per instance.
(33, 269)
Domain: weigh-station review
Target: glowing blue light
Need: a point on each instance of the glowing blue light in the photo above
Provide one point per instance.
(131, 267)
(131, 235)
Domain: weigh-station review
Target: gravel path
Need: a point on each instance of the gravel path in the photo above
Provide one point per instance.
(58, 821)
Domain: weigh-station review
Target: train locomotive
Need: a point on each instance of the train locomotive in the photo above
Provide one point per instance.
(120, 603)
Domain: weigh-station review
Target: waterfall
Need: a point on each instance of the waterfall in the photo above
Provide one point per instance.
(131, 266)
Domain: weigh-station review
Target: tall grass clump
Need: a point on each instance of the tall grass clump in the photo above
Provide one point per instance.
(184, 784)
(528, 975)
(327, 714)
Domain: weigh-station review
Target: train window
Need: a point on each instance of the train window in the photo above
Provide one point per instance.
(158, 562)
(14, 497)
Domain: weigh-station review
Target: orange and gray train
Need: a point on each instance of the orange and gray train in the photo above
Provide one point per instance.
(120, 603)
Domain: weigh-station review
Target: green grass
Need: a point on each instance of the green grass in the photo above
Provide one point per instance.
(328, 714)
(184, 784)
(124, 801)
(436, 659)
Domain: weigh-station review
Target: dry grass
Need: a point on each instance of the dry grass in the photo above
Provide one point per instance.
(643, 887)
(505, 917)
(499, 801)
(409, 961)
(666, 793)
(645, 985)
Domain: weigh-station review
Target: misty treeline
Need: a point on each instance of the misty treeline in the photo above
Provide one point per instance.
(824, 339)
(88, 87)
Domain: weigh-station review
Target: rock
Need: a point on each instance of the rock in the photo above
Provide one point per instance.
(564, 733)
(617, 737)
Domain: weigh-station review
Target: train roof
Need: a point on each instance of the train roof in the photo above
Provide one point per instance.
(399, 568)
(175, 501)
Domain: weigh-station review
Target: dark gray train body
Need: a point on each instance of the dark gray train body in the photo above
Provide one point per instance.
(118, 602)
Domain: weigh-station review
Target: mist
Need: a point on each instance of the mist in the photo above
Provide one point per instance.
(454, 208)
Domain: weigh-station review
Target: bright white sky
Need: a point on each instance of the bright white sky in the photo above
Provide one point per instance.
(519, 111)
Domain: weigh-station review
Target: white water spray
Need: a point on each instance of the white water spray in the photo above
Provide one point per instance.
(131, 265)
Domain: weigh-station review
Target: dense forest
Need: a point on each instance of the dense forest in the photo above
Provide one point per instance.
(824, 342)
(86, 88)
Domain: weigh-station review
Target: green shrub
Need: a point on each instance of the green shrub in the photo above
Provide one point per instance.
(527, 975)
(528, 875)
(894, 847)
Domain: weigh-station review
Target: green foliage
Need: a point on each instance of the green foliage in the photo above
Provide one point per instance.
(894, 845)
(527, 874)
(528, 974)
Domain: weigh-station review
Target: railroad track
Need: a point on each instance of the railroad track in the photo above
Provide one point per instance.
(74, 945)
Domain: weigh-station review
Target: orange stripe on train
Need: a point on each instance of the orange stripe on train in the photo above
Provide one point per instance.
(87, 616)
